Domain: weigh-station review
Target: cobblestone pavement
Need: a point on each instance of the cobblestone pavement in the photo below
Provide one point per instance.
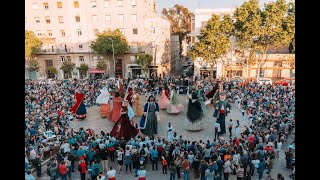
(95, 122)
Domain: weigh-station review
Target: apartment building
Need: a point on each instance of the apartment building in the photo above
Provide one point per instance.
(176, 62)
(68, 27)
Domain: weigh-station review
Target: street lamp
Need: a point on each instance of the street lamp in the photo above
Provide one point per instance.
(232, 44)
(114, 61)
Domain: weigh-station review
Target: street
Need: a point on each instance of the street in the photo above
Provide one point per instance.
(95, 122)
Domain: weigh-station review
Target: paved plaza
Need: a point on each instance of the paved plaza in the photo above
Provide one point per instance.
(95, 122)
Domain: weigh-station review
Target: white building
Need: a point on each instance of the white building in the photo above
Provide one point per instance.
(67, 29)
(198, 21)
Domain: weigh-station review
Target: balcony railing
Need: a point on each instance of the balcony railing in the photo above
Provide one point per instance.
(137, 49)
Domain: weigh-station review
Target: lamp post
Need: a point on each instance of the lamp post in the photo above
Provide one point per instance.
(114, 61)
(232, 44)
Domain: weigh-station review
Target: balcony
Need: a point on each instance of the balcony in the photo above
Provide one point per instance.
(137, 49)
(62, 51)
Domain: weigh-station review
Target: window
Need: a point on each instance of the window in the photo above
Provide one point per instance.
(81, 58)
(93, 4)
(132, 58)
(49, 63)
(94, 19)
(60, 18)
(37, 19)
(152, 30)
(59, 5)
(79, 32)
(134, 17)
(46, 5)
(49, 33)
(135, 31)
(120, 3)
(68, 58)
(152, 44)
(96, 32)
(76, 4)
(80, 46)
(62, 58)
(108, 18)
(122, 30)
(133, 3)
(106, 3)
(35, 6)
(63, 34)
(261, 72)
(77, 18)
(39, 33)
(95, 58)
(47, 18)
(121, 18)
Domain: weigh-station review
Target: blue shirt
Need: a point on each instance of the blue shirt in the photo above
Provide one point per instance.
(154, 153)
(80, 152)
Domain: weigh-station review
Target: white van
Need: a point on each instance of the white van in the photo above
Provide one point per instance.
(262, 81)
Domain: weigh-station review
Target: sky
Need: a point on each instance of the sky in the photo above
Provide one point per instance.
(202, 4)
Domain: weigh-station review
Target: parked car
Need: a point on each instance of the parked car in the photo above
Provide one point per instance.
(262, 81)
(285, 82)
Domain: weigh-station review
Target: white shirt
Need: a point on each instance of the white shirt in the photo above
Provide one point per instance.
(119, 155)
(33, 154)
(111, 173)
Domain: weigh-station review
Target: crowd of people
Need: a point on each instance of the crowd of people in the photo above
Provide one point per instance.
(270, 115)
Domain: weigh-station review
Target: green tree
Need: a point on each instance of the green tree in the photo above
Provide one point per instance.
(67, 67)
(53, 70)
(102, 65)
(33, 65)
(103, 44)
(214, 41)
(32, 45)
(83, 69)
(144, 60)
(180, 19)
(247, 23)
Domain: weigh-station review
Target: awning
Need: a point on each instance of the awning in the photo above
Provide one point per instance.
(95, 71)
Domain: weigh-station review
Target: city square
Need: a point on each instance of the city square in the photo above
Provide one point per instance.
(116, 87)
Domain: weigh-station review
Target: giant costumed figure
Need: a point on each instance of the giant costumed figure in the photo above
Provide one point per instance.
(174, 106)
(103, 100)
(222, 108)
(164, 100)
(194, 114)
(79, 108)
(149, 121)
(123, 128)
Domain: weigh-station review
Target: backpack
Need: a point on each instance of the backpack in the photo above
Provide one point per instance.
(79, 168)
(96, 170)
(48, 171)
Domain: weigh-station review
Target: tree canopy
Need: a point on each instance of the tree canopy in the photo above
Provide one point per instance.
(102, 65)
(84, 67)
(103, 44)
(32, 45)
(33, 65)
(53, 70)
(214, 40)
(180, 19)
(67, 66)
(144, 60)
(258, 30)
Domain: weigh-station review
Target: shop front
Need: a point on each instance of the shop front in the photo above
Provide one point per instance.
(95, 73)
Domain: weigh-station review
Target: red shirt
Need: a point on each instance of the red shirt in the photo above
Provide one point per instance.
(83, 166)
(63, 169)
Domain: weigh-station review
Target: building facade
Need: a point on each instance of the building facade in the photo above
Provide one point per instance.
(176, 62)
(67, 29)
(198, 21)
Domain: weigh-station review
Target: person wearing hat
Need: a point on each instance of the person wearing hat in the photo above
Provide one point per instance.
(201, 96)
(151, 111)
(222, 107)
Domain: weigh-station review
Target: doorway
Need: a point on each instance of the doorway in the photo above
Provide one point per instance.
(119, 68)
